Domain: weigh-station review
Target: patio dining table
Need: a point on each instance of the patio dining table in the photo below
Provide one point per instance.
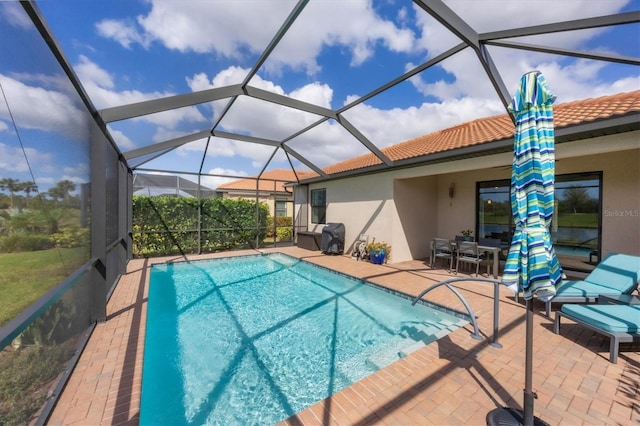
(494, 250)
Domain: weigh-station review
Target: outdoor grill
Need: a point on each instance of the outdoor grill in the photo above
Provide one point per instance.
(332, 241)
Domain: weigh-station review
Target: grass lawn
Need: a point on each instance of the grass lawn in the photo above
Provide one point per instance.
(578, 220)
(28, 275)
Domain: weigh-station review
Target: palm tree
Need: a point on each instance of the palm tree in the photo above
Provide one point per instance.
(62, 190)
(12, 185)
(28, 188)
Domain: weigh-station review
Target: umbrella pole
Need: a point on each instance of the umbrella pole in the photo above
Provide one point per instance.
(505, 416)
(529, 395)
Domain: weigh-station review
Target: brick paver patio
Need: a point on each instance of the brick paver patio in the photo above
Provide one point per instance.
(454, 381)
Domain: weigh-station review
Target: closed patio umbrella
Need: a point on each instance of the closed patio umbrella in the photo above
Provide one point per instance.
(532, 266)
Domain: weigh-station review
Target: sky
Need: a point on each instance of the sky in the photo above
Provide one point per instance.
(127, 51)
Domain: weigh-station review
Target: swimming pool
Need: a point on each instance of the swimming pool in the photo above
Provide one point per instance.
(256, 339)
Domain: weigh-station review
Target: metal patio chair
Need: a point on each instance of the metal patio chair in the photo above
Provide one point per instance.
(442, 249)
(467, 252)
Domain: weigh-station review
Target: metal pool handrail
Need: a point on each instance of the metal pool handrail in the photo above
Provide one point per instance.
(475, 334)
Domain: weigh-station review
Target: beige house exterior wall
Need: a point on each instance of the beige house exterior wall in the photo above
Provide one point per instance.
(407, 208)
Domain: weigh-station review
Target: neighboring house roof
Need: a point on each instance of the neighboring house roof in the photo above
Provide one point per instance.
(170, 183)
(496, 128)
(266, 182)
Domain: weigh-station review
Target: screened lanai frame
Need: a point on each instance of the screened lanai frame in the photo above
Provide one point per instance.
(470, 39)
(233, 94)
(111, 170)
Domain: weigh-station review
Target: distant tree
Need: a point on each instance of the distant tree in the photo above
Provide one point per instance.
(577, 199)
(28, 188)
(12, 185)
(5, 202)
(55, 194)
(63, 190)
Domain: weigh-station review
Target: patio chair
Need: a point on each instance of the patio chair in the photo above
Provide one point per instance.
(467, 252)
(621, 323)
(442, 249)
(616, 274)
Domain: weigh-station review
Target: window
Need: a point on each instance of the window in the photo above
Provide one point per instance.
(281, 208)
(576, 226)
(318, 205)
(576, 232)
(494, 210)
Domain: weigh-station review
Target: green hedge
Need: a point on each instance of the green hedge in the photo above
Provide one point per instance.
(168, 225)
(283, 228)
(24, 241)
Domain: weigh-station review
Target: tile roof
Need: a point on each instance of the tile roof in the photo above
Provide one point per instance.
(279, 176)
(490, 129)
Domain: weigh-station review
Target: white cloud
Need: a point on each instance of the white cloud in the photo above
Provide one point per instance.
(34, 107)
(226, 148)
(90, 72)
(233, 30)
(351, 25)
(219, 147)
(100, 84)
(229, 28)
(123, 31)
(215, 181)
(314, 93)
(12, 159)
(123, 142)
(77, 169)
(327, 144)
(75, 179)
(45, 181)
(263, 119)
(467, 78)
(524, 13)
(388, 127)
(13, 14)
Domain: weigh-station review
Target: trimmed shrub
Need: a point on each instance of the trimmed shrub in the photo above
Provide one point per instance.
(284, 233)
(282, 223)
(23, 241)
(71, 236)
(169, 225)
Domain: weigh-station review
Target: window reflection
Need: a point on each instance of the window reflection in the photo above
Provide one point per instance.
(44, 214)
(44, 167)
(576, 225)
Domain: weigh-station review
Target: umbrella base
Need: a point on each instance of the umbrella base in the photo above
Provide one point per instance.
(506, 416)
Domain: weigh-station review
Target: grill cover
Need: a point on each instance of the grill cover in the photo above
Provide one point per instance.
(332, 241)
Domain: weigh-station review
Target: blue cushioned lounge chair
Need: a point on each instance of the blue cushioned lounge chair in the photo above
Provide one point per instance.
(616, 274)
(620, 322)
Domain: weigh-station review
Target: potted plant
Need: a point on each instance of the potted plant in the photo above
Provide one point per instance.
(467, 234)
(378, 252)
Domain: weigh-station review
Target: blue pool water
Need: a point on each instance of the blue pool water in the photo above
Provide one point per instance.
(573, 251)
(256, 339)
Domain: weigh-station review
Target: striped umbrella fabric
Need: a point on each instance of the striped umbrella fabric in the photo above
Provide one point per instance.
(532, 266)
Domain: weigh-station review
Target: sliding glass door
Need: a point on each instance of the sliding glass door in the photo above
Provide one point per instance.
(494, 211)
(576, 226)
